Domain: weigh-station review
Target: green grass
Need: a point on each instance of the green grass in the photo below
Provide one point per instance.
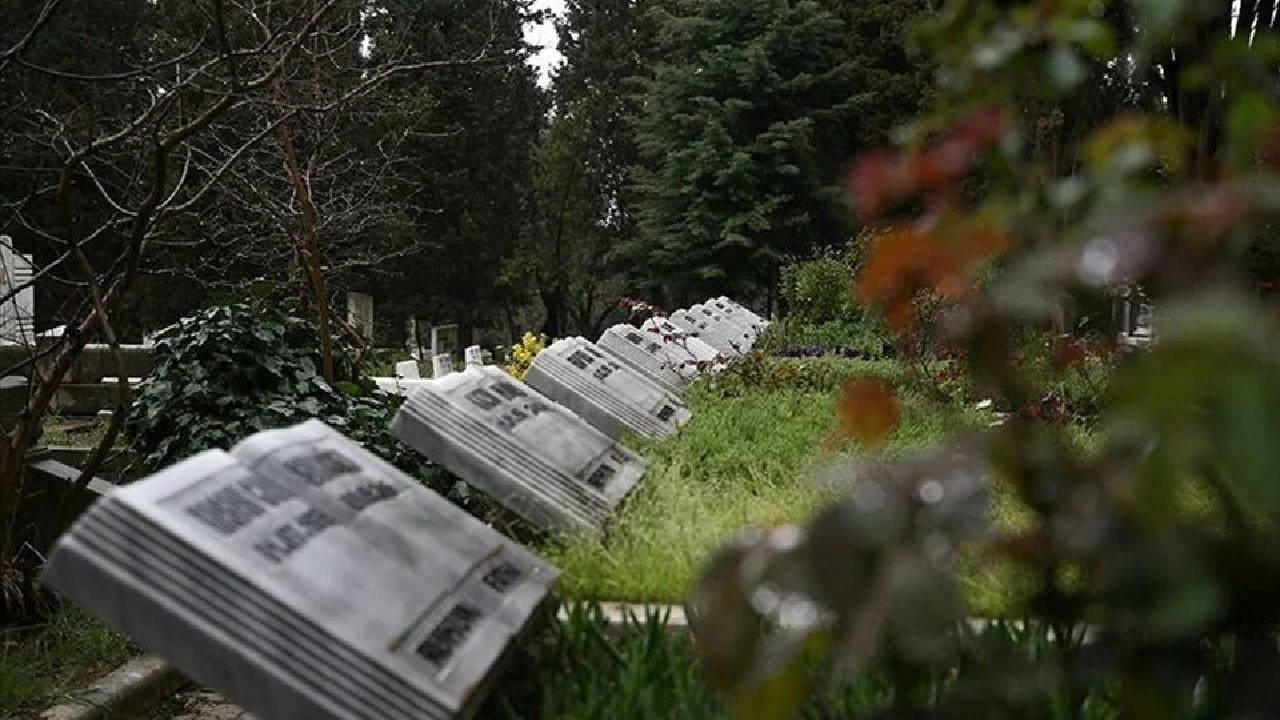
(748, 460)
(40, 665)
(77, 432)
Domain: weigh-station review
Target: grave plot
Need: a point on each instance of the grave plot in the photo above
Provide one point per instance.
(306, 579)
(612, 397)
(528, 453)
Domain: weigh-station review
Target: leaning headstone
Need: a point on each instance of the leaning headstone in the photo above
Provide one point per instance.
(609, 395)
(739, 331)
(700, 327)
(441, 365)
(474, 356)
(645, 353)
(408, 369)
(360, 314)
(529, 454)
(692, 354)
(736, 314)
(728, 305)
(305, 578)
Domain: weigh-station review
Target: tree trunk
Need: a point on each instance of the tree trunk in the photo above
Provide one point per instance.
(308, 247)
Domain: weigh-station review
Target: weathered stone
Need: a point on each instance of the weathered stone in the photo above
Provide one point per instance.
(245, 569)
(611, 396)
(526, 452)
(408, 369)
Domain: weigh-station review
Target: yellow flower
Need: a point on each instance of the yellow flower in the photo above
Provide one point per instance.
(523, 353)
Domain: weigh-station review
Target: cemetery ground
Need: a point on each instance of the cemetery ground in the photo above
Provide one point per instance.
(753, 455)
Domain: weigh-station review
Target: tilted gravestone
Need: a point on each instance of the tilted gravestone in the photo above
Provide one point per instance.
(441, 365)
(609, 395)
(701, 327)
(737, 315)
(738, 330)
(306, 579)
(528, 453)
(730, 305)
(474, 356)
(646, 353)
(693, 354)
(408, 369)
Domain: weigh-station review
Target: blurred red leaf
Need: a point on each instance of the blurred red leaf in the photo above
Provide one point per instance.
(866, 410)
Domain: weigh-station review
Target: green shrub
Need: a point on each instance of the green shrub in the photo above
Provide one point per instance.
(232, 370)
(860, 337)
(818, 290)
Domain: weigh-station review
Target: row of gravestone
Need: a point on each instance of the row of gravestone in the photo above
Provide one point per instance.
(549, 448)
(307, 579)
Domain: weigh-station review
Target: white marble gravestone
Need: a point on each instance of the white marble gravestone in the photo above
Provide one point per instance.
(441, 365)
(474, 356)
(736, 313)
(444, 340)
(306, 579)
(360, 314)
(647, 354)
(528, 453)
(408, 369)
(692, 353)
(731, 305)
(607, 394)
(18, 313)
(736, 326)
(701, 327)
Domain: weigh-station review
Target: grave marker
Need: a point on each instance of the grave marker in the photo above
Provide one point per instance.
(408, 369)
(646, 353)
(306, 579)
(18, 313)
(700, 327)
(360, 314)
(529, 454)
(737, 329)
(474, 356)
(692, 352)
(441, 365)
(609, 395)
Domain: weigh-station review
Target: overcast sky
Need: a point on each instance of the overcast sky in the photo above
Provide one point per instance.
(544, 36)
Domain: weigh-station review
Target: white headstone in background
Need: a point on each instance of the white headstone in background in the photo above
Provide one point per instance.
(646, 353)
(306, 579)
(408, 369)
(444, 340)
(18, 313)
(413, 342)
(441, 365)
(474, 356)
(607, 394)
(526, 452)
(360, 314)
